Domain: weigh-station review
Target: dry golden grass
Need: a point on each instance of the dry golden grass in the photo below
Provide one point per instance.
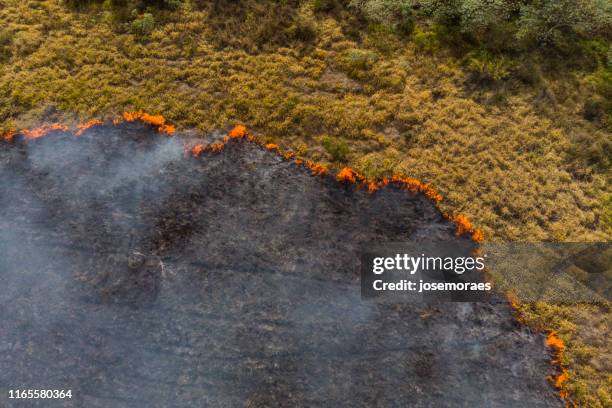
(498, 156)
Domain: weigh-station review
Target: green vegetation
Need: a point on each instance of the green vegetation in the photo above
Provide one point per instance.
(506, 113)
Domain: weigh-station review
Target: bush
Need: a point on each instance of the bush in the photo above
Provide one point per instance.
(144, 24)
(499, 24)
(337, 148)
(487, 66)
(425, 40)
(558, 22)
(394, 13)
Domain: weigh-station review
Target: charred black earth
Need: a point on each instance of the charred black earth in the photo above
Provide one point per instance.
(138, 277)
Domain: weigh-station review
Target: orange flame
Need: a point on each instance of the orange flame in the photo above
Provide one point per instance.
(167, 129)
(416, 186)
(464, 226)
(514, 301)
(238, 132)
(155, 120)
(216, 147)
(558, 346)
(197, 150)
(272, 146)
(8, 136)
(43, 130)
(346, 175)
(316, 168)
(87, 125)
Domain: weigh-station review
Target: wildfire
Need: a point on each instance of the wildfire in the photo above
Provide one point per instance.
(167, 129)
(346, 175)
(87, 125)
(238, 132)
(554, 342)
(464, 226)
(316, 168)
(155, 120)
(416, 186)
(216, 147)
(43, 130)
(8, 136)
(197, 150)
(514, 301)
(558, 346)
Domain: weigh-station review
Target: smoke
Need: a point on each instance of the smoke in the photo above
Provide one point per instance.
(138, 277)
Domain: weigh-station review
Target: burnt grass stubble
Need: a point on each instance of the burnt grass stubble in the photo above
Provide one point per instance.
(138, 277)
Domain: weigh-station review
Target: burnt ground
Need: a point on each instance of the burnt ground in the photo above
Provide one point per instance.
(138, 277)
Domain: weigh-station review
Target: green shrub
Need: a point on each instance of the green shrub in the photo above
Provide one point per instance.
(359, 60)
(394, 13)
(425, 40)
(487, 66)
(559, 22)
(337, 148)
(144, 25)
(512, 24)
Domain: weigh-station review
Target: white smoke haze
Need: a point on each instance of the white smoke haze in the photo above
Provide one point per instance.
(137, 277)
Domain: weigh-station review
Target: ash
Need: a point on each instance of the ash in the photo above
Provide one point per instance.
(138, 277)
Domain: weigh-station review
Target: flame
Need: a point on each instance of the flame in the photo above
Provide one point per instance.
(87, 125)
(346, 175)
(514, 301)
(416, 186)
(559, 380)
(197, 150)
(216, 147)
(554, 341)
(167, 129)
(464, 226)
(238, 132)
(8, 136)
(42, 131)
(316, 168)
(478, 235)
(272, 146)
(155, 120)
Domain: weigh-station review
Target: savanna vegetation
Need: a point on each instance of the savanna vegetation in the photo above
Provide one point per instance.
(504, 106)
